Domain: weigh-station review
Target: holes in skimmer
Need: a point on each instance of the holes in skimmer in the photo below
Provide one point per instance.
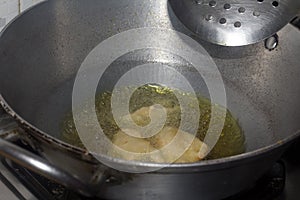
(222, 21)
(275, 3)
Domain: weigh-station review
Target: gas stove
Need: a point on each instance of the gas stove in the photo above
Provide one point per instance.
(281, 182)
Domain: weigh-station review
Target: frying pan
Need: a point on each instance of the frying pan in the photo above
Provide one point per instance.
(42, 50)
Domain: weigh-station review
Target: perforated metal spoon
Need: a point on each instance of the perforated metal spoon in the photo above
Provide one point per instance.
(235, 22)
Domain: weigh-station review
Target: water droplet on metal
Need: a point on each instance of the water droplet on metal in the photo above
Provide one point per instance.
(272, 42)
(209, 17)
(199, 2)
(256, 13)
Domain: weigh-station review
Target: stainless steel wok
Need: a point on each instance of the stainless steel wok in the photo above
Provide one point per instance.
(41, 52)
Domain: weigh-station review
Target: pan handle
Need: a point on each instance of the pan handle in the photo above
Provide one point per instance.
(35, 163)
